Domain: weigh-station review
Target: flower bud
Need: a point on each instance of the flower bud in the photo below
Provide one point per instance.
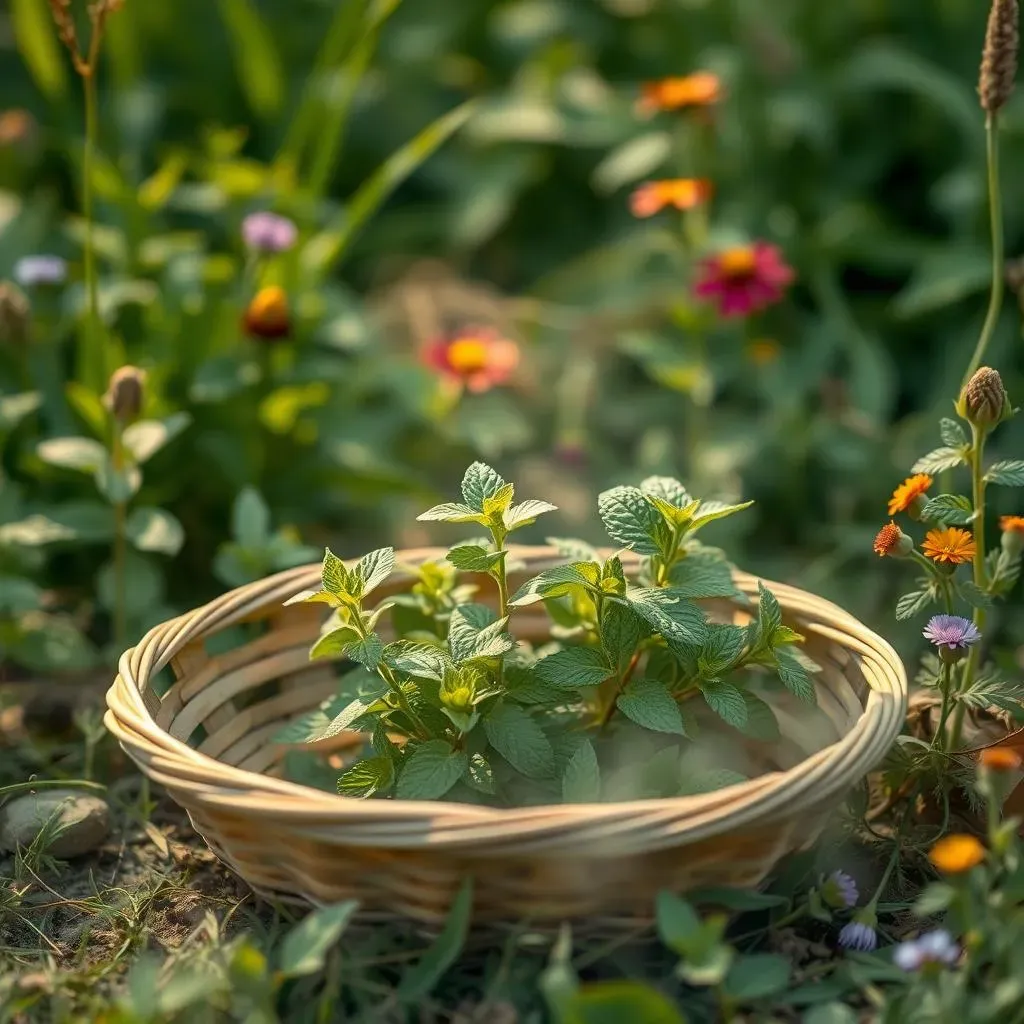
(15, 313)
(983, 401)
(892, 542)
(267, 315)
(125, 394)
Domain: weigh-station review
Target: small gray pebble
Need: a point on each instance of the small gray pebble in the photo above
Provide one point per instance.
(81, 821)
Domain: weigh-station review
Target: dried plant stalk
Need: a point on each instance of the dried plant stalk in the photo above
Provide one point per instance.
(999, 58)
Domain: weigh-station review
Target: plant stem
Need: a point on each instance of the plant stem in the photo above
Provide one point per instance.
(945, 686)
(94, 357)
(980, 574)
(998, 257)
(609, 710)
(120, 549)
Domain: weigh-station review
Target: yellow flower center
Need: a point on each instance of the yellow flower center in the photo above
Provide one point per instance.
(738, 262)
(468, 355)
(269, 304)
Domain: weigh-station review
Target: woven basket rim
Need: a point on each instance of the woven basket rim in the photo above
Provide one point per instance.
(816, 779)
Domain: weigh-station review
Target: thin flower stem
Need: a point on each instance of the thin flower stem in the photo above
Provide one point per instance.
(609, 710)
(945, 686)
(887, 874)
(980, 575)
(94, 354)
(998, 257)
(120, 548)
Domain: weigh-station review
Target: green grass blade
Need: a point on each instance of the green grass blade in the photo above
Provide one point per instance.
(256, 58)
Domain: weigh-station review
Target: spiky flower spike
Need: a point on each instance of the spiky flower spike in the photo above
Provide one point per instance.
(999, 58)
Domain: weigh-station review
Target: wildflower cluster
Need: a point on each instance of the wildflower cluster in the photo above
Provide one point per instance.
(456, 706)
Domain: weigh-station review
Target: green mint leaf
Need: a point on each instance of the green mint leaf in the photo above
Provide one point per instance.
(520, 741)
(574, 550)
(631, 520)
(468, 639)
(480, 483)
(573, 668)
(679, 925)
(697, 578)
(424, 661)
(668, 489)
(761, 723)
(155, 529)
(304, 729)
(474, 558)
(769, 617)
(117, 485)
(757, 976)
(952, 433)
(557, 581)
(712, 511)
(953, 509)
(621, 632)
(498, 504)
(313, 597)
(452, 512)
(367, 651)
(367, 778)
(939, 460)
(794, 675)
(345, 718)
(911, 604)
(524, 686)
(721, 649)
(649, 704)
(479, 774)
(430, 771)
(726, 700)
(1009, 473)
(526, 512)
(581, 780)
(680, 622)
(479, 616)
(335, 577)
(335, 643)
(373, 569)
(146, 437)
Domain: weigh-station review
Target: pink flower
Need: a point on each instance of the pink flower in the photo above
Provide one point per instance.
(745, 279)
(477, 357)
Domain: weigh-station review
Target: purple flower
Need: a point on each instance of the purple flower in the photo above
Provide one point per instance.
(268, 232)
(840, 891)
(935, 947)
(32, 271)
(953, 632)
(859, 935)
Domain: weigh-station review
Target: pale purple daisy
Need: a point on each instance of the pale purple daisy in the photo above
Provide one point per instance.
(860, 933)
(953, 632)
(32, 271)
(839, 891)
(268, 232)
(936, 947)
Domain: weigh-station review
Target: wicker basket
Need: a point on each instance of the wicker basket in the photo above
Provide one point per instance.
(207, 737)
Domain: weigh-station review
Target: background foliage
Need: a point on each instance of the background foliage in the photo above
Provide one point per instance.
(850, 136)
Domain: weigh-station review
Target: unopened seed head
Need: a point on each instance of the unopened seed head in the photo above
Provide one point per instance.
(15, 313)
(984, 398)
(125, 394)
(999, 57)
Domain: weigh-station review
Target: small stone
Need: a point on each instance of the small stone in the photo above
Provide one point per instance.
(81, 821)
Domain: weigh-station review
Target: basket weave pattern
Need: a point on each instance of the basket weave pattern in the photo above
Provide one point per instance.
(208, 739)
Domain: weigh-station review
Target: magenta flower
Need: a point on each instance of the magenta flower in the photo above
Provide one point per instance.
(33, 271)
(933, 948)
(745, 279)
(267, 232)
(952, 632)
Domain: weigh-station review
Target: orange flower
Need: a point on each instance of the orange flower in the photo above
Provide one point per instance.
(479, 358)
(891, 540)
(267, 314)
(957, 853)
(999, 759)
(701, 89)
(950, 544)
(682, 193)
(1012, 524)
(908, 492)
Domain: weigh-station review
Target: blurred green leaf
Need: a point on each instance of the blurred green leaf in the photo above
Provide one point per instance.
(36, 37)
(254, 52)
(155, 529)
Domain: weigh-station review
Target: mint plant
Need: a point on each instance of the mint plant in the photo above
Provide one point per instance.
(456, 706)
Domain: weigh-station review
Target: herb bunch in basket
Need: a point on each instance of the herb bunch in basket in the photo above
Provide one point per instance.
(604, 698)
